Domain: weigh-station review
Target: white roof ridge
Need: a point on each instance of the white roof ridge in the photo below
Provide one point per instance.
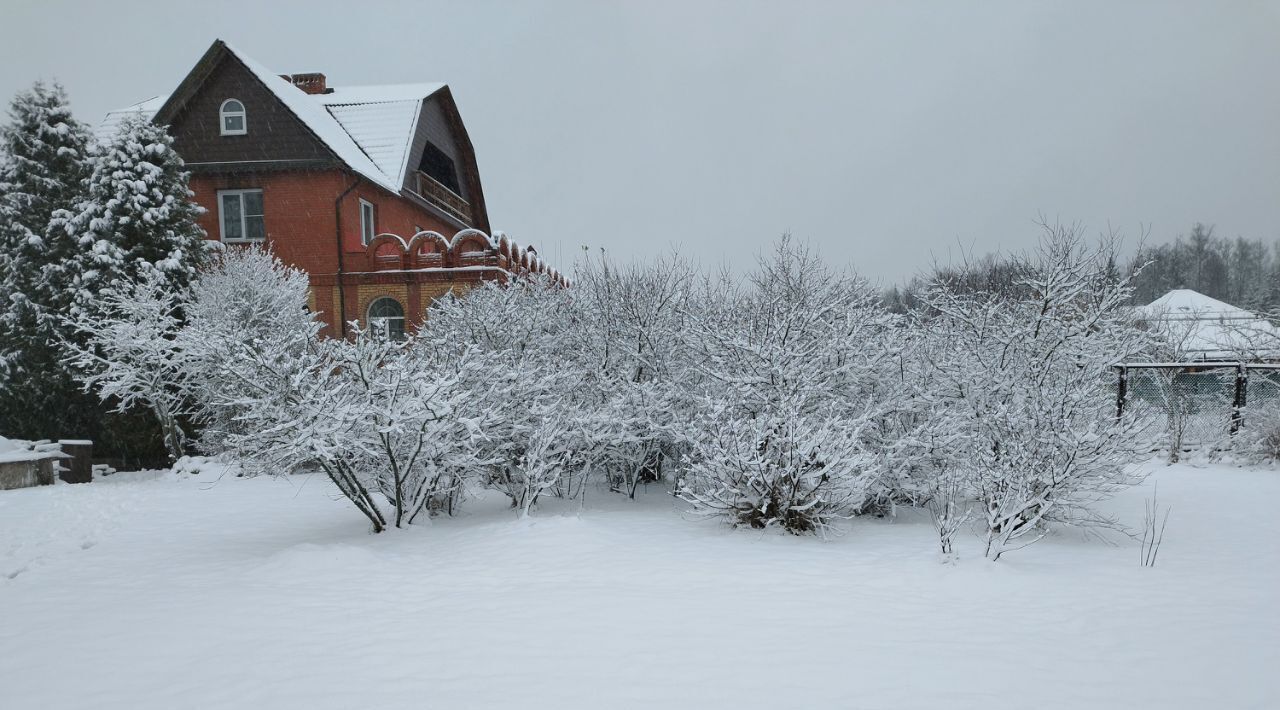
(161, 97)
(413, 131)
(361, 103)
(378, 93)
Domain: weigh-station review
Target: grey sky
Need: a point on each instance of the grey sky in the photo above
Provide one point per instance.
(881, 132)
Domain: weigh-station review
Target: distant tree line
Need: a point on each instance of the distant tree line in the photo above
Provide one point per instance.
(1243, 272)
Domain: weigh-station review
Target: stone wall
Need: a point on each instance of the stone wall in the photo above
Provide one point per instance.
(26, 473)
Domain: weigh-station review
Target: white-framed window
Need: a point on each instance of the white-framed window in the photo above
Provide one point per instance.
(231, 118)
(240, 216)
(368, 222)
(386, 318)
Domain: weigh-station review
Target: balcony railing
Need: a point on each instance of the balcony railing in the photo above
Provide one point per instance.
(445, 198)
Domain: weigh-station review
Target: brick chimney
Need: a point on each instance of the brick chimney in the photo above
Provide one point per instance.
(311, 82)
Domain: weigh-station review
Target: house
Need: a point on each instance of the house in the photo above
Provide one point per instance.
(1198, 328)
(372, 190)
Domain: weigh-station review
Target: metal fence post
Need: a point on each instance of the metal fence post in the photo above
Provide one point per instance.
(1241, 396)
(1122, 390)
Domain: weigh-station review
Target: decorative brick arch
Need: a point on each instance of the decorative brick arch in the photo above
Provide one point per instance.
(438, 244)
(504, 248)
(386, 251)
(471, 240)
(418, 269)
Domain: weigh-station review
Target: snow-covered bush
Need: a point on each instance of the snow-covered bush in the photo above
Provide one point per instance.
(591, 366)
(124, 347)
(779, 467)
(628, 332)
(519, 331)
(147, 341)
(792, 400)
(949, 508)
(245, 307)
(1258, 441)
(381, 418)
(792, 374)
(629, 433)
(1021, 389)
(543, 463)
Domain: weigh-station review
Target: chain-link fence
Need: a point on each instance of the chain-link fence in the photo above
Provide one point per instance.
(1190, 406)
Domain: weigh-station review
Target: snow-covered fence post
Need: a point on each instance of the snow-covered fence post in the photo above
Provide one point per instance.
(1239, 398)
(1122, 390)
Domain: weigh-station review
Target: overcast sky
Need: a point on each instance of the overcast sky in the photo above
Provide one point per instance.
(880, 132)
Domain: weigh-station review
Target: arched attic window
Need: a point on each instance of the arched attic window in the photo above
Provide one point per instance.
(386, 318)
(232, 119)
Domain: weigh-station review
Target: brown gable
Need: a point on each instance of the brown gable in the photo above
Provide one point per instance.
(440, 124)
(276, 138)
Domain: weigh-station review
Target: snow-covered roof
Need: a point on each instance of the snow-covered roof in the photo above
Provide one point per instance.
(1185, 304)
(12, 450)
(381, 119)
(314, 114)
(1204, 328)
(146, 109)
(370, 128)
(383, 130)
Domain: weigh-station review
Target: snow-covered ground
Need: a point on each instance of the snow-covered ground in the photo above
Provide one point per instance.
(167, 591)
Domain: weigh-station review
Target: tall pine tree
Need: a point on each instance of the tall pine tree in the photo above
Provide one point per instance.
(45, 162)
(136, 216)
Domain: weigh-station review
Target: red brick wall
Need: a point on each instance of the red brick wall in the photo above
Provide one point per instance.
(299, 216)
(297, 208)
(394, 214)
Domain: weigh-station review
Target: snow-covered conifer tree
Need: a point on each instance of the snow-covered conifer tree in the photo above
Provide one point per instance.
(44, 163)
(44, 160)
(136, 216)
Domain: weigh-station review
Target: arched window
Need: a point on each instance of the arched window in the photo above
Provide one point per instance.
(386, 318)
(232, 119)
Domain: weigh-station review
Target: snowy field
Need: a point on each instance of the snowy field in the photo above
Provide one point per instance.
(161, 591)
